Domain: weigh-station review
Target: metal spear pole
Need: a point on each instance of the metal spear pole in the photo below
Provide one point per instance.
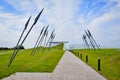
(20, 38)
(36, 19)
(93, 39)
(37, 40)
(41, 40)
(90, 40)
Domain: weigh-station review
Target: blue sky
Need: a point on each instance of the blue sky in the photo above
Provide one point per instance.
(69, 18)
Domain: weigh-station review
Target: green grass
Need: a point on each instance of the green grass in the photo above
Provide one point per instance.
(110, 61)
(5, 51)
(24, 62)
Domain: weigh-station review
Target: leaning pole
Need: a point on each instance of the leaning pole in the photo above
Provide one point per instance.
(35, 21)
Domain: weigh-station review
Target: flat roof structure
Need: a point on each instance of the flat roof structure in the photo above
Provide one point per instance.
(59, 42)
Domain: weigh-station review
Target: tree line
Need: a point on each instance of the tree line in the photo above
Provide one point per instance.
(6, 48)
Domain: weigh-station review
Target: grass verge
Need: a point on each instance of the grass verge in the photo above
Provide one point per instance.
(24, 62)
(110, 61)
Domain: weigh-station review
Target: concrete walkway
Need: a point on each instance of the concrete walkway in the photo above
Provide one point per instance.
(72, 68)
(29, 76)
(69, 68)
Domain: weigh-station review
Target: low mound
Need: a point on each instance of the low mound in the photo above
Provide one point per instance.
(110, 61)
(25, 62)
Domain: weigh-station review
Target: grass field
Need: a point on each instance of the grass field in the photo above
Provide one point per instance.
(24, 62)
(5, 51)
(110, 61)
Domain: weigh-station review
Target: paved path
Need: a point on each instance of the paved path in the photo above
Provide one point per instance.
(69, 68)
(72, 68)
(29, 76)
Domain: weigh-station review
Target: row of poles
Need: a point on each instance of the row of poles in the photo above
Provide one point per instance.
(43, 38)
(89, 40)
(86, 58)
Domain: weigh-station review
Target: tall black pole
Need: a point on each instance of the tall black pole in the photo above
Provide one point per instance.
(85, 41)
(40, 41)
(93, 39)
(45, 34)
(37, 40)
(17, 45)
(36, 19)
(90, 40)
(52, 37)
(43, 48)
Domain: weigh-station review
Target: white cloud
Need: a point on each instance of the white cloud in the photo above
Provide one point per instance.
(11, 27)
(24, 6)
(106, 28)
(59, 14)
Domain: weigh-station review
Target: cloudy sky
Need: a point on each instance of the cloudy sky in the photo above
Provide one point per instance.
(69, 18)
